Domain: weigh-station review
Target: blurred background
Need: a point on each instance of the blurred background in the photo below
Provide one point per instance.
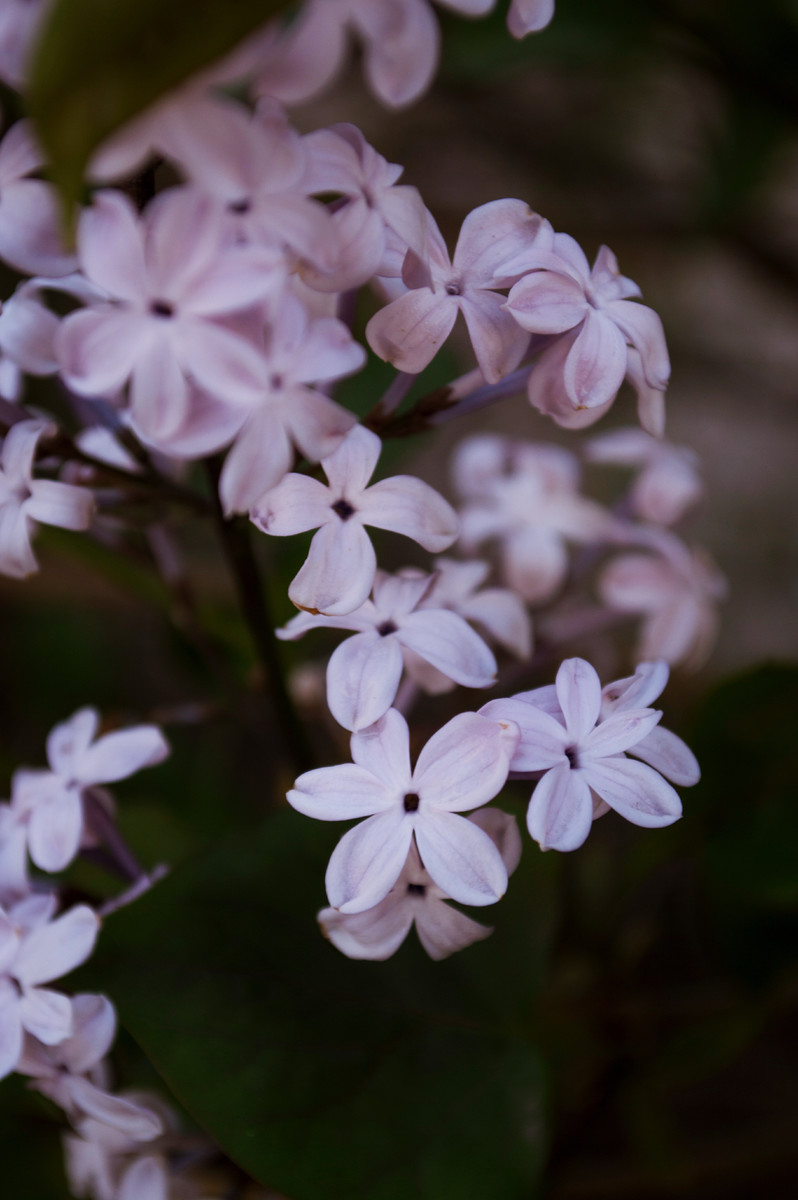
(667, 1011)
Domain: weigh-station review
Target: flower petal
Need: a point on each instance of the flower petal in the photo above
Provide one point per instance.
(560, 812)
(339, 793)
(54, 949)
(543, 739)
(407, 505)
(442, 930)
(54, 830)
(596, 362)
(368, 860)
(297, 504)
(461, 858)
(449, 643)
(579, 693)
(384, 749)
(46, 1014)
(410, 330)
(338, 573)
(362, 679)
(120, 754)
(635, 791)
(465, 764)
(669, 755)
(374, 934)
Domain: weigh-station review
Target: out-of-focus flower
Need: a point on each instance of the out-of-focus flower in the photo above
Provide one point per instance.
(668, 483)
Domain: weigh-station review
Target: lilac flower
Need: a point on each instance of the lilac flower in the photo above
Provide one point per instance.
(35, 949)
(363, 673)
(668, 483)
(564, 294)
(462, 767)
(533, 507)
(580, 757)
(414, 899)
(25, 500)
(30, 229)
(50, 804)
(340, 160)
(338, 573)
(676, 591)
(168, 280)
(529, 16)
(68, 1072)
(288, 412)
(494, 243)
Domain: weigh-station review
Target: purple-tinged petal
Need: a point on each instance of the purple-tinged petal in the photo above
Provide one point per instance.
(68, 741)
(158, 391)
(545, 302)
(398, 595)
(129, 1118)
(402, 42)
(579, 693)
(384, 749)
(120, 754)
(54, 949)
(503, 614)
(560, 812)
(144, 1179)
(618, 733)
(543, 739)
(30, 229)
(351, 465)
(111, 246)
(46, 1014)
(535, 563)
(340, 793)
(261, 456)
(642, 327)
(317, 424)
(529, 16)
(222, 362)
(493, 238)
(465, 764)
(442, 930)
(407, 505)
(499, 342)
(669, 755)
(54, 830)
(368, 860)
(638, 691)
(94, 1022)
(502, 829)
(338, 572)
(449, 643)
(461, 858)
(409, 331)
(62, 504)
(362, 679)
(297, 504)
(635, 791)
(596, 363)
(19, 451)
(98, 348)
(16, 556)
(375, 934)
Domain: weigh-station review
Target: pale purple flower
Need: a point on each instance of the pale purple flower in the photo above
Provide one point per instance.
(35, 949)
(564, 294)
(25, 500)
(414, 899)
(341, 161)
(494, 243)
(363, 673)
(677, 593)
(19, 25)
(169, 283)
(668, 483)
(253, 165)
(69, 1074)
(582, 758)
(533, 509)
(50, 803)
(289, 412)
(30, 228)
(338, 573)
(462, 767)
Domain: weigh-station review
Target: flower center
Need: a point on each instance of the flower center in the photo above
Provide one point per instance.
(452, 289)
(412, 802)
(416, 889)
(162, 308)
(386, 628)
(343, 509)
(573, 757)
(240, 207)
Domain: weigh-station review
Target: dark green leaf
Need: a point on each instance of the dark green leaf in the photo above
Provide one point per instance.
(97, 64)
(324, 1077)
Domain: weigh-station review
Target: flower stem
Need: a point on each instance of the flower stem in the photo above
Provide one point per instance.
(236, 542)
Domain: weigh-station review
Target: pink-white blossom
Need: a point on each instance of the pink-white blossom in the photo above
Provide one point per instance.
(462, 767)
(661, 748)
(30, 228)
(582, 757)
(677, 593)
(338, 573)
(363, 673)
(36, 949)
(50, 803)
(24, 501)
(563, 294)
(414, 899)
(668, 483)
(169, 283)
(494, 244)
(533, 508)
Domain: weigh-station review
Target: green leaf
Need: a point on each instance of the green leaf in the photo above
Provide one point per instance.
(100, 62)
(325, 1077)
